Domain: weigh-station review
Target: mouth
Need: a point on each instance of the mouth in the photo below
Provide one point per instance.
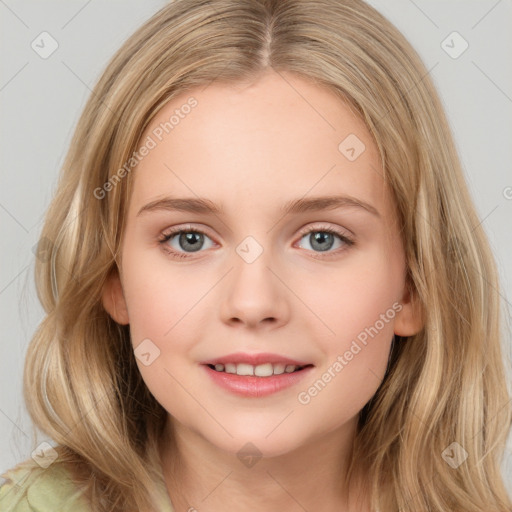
(261, 370)
(256, 381)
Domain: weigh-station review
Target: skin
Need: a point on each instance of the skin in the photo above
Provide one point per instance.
(251, 148)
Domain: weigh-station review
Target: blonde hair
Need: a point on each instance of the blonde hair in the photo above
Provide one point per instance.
(446, 384)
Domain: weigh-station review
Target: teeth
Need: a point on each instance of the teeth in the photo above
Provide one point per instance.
(262, 370)
(230, 368)
(244, 369)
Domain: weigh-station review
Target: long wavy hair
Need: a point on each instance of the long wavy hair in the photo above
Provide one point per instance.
(445, 384)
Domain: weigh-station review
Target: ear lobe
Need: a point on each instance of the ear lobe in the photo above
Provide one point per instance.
(410, 319)
(113, 299)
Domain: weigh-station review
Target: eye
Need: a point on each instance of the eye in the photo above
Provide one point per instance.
(182, 242)
(188, 240)
(323, 238)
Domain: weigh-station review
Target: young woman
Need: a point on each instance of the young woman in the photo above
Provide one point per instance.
(268, 286)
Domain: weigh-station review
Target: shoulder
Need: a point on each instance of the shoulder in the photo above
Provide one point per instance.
(31, 488)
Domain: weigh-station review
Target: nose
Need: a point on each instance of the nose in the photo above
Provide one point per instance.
(254, 294)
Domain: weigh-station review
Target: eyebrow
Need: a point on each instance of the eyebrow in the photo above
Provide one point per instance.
(311, 204)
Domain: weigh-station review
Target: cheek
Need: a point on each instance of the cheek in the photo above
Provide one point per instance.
(355, 359)
(163, 319)
(160, 300)
(359, 305)
(359, 300)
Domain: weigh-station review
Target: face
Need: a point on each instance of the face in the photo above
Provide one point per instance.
(321, 286)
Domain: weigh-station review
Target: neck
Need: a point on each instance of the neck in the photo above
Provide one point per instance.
(200, 476)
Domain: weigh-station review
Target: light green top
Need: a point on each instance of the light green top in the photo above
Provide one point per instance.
(36, 489)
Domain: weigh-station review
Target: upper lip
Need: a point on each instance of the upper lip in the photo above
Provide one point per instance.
(255, 359)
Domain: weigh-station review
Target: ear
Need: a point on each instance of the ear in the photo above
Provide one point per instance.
(113, 299)
(409, 320)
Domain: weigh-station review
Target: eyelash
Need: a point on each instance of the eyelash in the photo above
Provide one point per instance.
(317, 229)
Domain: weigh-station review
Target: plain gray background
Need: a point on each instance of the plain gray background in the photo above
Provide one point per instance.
(42, 98)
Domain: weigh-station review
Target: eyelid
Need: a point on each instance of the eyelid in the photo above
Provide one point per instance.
(326, 227)
(183, 227)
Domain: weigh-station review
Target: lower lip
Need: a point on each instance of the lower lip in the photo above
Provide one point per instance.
(251, 386)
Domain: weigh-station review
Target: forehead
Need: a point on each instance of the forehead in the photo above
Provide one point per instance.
(255, 144)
